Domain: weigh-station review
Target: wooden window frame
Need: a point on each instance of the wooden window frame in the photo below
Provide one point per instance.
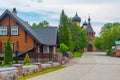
(46, 48)
(4, 30)
(14, 30)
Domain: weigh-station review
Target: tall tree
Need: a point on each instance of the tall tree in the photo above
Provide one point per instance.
(41, 24)
(64, 31)
(109, 25)
(108, 36)
(98, 43)
(8, 57)
(79, 36)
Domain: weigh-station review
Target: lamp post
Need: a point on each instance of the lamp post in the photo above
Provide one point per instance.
(16, 55)
(38, 51)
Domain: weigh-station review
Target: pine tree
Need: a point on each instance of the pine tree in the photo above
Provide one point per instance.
(64, 31)
(27, 59)
(8, 56)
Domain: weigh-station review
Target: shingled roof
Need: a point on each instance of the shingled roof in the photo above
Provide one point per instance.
(48, 34)
(89, 29)
(32, 31)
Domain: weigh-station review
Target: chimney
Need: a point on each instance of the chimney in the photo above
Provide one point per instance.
(14, 11)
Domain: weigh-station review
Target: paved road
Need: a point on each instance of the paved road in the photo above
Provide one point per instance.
(92, 66)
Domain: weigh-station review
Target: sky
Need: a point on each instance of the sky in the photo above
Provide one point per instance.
(34, 11)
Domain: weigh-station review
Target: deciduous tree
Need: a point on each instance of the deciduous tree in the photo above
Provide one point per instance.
(41, 24)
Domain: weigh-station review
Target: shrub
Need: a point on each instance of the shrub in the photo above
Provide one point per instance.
(27, 60)
(109, 52)
(8, 55)
(63, 48)
(78, 54)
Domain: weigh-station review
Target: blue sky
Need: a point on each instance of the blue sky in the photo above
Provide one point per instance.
(101, 11)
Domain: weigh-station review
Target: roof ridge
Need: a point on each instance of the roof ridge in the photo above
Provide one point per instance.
(24, 25)
(44, 27)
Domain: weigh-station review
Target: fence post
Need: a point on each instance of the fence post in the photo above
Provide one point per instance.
(69, 55)
(59, 57)
(20, 69)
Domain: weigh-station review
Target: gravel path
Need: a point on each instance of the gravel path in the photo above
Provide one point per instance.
(92, 66)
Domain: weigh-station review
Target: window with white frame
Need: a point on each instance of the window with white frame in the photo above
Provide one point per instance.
(3, 30)
(14, 30)
(46, 49)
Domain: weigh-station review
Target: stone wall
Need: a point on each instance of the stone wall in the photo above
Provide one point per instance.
(17, 70)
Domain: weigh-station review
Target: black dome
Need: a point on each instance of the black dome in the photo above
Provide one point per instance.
(76, 18)
(85, 23)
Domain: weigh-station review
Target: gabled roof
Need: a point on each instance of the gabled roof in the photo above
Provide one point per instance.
(23, 24)
(89, 29)
(27, 28)
(47, 34)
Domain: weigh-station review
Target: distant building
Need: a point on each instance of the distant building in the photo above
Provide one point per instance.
(90, 32)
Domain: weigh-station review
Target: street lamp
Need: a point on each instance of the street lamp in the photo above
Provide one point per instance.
(38, 51)
(16, 56)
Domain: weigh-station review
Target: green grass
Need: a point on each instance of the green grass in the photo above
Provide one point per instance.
(77, 54)
(41, 72)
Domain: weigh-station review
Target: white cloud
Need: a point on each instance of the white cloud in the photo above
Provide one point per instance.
(103, 11)
(99, 12)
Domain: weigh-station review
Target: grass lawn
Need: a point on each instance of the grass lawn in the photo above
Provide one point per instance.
(77, 54)
(41, 72)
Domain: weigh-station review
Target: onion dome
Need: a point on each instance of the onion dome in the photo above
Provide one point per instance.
(85, 23)
(76, 18)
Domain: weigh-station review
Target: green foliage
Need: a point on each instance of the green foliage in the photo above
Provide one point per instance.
(109, 52)
(8, 55)
(109, 25)
(79, 37)
(98, 43)
(78, 54)
(27, 60)
(109, 34)
(63, 48)
(64, 31)
(41, 24)
(72, 35)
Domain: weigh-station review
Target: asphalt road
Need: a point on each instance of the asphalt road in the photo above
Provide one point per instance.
(92, 66)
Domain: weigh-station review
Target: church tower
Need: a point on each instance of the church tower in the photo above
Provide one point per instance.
(89, 30)
(76, 19)
(90, 34)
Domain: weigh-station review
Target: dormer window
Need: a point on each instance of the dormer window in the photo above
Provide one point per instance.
(3, 30)
(14, 30)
